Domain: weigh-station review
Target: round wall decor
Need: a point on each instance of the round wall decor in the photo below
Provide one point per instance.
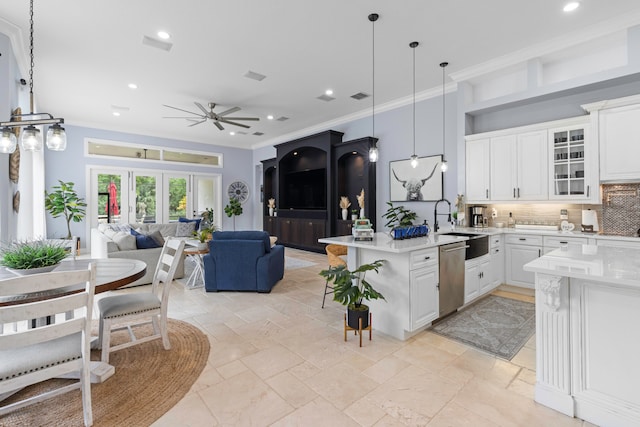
(238, 190)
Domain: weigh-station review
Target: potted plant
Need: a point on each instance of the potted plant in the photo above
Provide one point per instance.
(350, 288)
(354, 214)
(344, 205)
(31, 257)
(398, 216)
(65, 201)
(233, 209)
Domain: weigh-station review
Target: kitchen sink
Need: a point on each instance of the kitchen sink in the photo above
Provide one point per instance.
(477, 245)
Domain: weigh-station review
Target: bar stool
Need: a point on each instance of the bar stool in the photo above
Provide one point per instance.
(334, 254)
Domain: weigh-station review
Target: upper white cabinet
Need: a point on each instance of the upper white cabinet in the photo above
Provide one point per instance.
(573, 164)
(478, 171)
(516, 161)
(547, 161)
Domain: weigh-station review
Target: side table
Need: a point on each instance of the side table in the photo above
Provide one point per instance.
(196, 279)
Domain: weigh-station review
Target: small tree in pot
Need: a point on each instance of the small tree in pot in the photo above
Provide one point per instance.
(65, 201)
(233, 209)
(350, 288)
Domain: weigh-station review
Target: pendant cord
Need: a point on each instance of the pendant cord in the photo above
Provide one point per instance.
(443, 112)
(373, 79)
(31, 54)
(414, 101)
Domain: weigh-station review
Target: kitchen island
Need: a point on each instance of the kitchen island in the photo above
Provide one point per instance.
(408, 279)
(587, 346)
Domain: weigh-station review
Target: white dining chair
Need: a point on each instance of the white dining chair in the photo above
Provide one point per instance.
(29, 355)
(126, 311)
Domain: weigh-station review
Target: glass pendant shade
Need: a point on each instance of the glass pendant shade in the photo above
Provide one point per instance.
(444, 166)
(56, 138)
(31, 139)
(414, 161)
(373, 154)
(8, 141)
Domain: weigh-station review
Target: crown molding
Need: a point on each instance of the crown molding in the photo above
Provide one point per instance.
(550, 46)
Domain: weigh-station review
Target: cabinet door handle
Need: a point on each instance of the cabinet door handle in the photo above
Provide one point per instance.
(564, 243)
(518, 192)
(514, 193)
(497, 250)
(522, 239)
(487, 192)
(539, 252)
(427, 257)
(588, 188)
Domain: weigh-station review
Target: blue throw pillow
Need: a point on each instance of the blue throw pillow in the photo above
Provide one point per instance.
(197, 221)
(143, 241)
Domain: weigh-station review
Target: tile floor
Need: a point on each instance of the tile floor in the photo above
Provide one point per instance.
(279, 359)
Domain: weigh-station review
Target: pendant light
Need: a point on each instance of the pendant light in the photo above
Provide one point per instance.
(444, 166)
(414, 158)
(373, 150)
(31, 137)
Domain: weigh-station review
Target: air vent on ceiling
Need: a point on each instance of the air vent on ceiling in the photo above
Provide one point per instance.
(240, 132)
(158, 44)
(258, 133)
(360, 95)
(254, 76)
(282, 118)
(326, 98)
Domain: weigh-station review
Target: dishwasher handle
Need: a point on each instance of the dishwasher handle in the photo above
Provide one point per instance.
(455, 249)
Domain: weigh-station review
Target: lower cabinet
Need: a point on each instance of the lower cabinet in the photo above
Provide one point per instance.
(270, 225)
(302, 233)
(496, 257)
(423, 285)
(521, 249)
(477, 278)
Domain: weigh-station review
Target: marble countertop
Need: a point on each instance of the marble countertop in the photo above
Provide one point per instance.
(618, 266)
(504, 230)
(384, 243)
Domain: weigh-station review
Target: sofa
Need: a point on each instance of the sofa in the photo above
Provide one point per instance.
(138, 241)
(242, 261)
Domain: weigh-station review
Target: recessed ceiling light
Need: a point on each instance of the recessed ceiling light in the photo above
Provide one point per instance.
(164, 35)
(571, 6)
(270, 117)
(328, 92)
(133, 86)
(295, 153)
(116, 113)
(232, 133)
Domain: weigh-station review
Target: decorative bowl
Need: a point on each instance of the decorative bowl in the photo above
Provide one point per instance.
(26, 271)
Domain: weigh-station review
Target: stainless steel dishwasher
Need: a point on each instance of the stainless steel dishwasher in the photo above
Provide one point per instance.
(451, 277)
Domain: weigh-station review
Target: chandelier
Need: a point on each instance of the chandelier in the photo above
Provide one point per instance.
(31, 138)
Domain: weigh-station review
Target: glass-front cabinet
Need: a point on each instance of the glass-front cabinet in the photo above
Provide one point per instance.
(570, 164)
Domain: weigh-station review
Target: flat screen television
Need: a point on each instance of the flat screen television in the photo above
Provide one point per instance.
(304, 190)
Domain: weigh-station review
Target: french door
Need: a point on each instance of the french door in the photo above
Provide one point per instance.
(125, 196)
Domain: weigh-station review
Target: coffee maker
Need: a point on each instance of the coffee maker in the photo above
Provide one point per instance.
(477, 216)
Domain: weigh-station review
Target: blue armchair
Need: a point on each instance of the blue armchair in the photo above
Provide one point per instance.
(242, 261)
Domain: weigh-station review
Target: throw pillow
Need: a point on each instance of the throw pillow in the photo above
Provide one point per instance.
(157, 236)
(196, 220)
(185, 229)
(144, 241)
(125, 241)
(273, 240)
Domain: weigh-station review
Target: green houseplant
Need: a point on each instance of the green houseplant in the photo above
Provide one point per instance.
(233, 209)
(398, 216)
(42, 255)
(350, 288)
(65, 201)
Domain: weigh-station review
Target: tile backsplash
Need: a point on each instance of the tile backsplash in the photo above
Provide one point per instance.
(619, 213)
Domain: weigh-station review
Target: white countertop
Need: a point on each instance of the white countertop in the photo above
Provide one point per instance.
(384, 243)
(619, 266)
(505, 230)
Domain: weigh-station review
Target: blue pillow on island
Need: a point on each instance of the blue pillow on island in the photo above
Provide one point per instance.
(143, 241)
(196, 220)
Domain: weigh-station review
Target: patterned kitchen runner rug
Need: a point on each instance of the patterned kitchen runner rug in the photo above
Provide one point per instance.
(498, 325)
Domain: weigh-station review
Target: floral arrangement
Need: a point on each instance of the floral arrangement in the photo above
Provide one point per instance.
(344, 202)
(271, 203)
(360, 198)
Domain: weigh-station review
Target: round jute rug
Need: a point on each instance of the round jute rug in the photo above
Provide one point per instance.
(149, 381)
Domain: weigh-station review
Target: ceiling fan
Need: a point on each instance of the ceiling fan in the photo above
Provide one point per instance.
(217, 118)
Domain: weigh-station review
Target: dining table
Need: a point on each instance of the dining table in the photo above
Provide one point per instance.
(111, 274)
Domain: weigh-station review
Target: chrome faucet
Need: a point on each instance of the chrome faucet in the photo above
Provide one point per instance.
(435, 214)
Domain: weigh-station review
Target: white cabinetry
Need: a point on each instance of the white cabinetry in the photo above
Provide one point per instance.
(619, 243)
(477, 278)
(521, 249)
(424, 296)
(477, 171)
(573, 171)
(554, 242)
(516, 162)
(496, 255)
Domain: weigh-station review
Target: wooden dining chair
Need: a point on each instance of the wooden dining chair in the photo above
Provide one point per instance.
(126, 311)
(29, 355)
(335, 255)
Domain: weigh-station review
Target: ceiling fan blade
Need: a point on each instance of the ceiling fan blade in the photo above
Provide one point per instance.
(229, 111)
(242, 118)
(198, 122)
(186, 111)
(183, 117)
(218, 125)
(204, 110)
(235, 124)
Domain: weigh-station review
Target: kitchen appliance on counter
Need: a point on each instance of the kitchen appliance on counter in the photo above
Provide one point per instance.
(477, 215)
(589, 221)
(451, 283)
